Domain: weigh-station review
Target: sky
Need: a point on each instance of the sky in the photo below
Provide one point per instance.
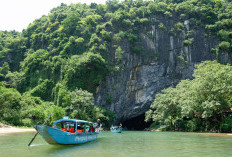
(18, 14)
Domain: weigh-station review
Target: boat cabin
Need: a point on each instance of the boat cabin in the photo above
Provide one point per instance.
(114, 127)
(73, 125)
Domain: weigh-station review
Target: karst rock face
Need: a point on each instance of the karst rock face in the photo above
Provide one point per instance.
(165, 60)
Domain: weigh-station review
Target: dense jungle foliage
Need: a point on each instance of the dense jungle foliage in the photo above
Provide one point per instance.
(201, 104)
(56, 64)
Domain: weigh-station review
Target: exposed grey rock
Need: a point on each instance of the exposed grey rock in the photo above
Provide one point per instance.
(166, 61)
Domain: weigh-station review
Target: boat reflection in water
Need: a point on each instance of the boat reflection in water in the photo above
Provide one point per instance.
(68, 131)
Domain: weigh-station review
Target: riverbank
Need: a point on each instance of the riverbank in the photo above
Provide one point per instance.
(197, 133)
(212, 134)
(6, 129)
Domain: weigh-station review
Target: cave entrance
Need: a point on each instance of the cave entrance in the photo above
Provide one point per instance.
(136, 123)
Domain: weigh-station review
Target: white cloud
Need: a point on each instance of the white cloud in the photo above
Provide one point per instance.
(17, 14)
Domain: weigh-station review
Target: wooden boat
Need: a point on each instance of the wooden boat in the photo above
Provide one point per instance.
(116, 129)
(68, 131)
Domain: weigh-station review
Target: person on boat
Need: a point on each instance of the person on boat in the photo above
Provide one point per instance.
(120, 125)
(98, 125)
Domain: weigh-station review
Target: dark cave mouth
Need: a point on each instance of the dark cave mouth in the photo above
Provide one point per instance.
(136, 123)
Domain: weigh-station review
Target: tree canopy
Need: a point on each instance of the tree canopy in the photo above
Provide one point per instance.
(201, 104)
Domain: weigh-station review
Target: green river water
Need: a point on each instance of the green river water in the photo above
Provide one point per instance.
(126, 144)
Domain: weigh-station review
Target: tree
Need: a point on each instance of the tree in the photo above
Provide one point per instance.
(85, 71)
(204, 101)
(4, 70)
(70, 23)
(10, 106)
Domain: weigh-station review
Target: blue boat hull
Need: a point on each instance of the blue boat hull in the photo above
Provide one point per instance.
(56, 136)
(117, 131)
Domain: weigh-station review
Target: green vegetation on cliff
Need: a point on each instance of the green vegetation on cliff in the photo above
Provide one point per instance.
(71, 50)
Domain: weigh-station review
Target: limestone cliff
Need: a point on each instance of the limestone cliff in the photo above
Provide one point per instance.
(166, 60)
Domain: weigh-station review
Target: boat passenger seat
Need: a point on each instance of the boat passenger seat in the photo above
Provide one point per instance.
(71, 130)
(64, 129)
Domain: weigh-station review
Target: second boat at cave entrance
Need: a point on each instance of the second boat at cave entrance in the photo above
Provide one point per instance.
(116, 129)
(68, 131)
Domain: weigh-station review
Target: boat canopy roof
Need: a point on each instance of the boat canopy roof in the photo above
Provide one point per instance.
(65, 119)
(114, 127)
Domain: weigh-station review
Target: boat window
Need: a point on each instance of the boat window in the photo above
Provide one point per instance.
(68, 126)
(57, 125)
(80, 127)
(114, 128)
(90, 127)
